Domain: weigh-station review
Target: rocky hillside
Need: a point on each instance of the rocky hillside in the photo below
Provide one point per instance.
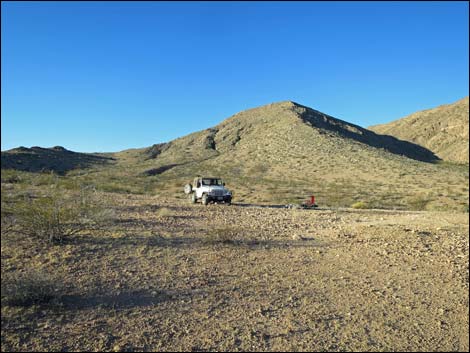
(284, 151)
(443, 130)
(57, 159)
(286, 121)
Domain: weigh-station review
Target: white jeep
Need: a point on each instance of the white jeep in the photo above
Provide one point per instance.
(208, 190)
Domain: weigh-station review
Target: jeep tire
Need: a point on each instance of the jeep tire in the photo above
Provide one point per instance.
(193, 198)
(205, 199)
(188, 188)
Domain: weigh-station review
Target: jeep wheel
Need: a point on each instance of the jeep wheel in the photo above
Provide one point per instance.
(205, 199)
(193, 198)
(188, 188)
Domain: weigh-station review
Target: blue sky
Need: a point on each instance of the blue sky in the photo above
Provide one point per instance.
(104, 76)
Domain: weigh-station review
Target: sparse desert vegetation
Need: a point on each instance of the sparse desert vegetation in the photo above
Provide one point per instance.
(53, 213)
(168, 275)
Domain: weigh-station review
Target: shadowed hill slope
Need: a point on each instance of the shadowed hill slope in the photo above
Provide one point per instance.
(325, 122)
(443, 130)
(57, 159)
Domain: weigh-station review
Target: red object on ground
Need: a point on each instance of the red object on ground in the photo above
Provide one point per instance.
(312, 200)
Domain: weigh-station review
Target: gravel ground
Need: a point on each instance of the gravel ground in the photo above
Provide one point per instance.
(168, 275)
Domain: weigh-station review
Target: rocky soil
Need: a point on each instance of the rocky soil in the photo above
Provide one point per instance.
(168, 275)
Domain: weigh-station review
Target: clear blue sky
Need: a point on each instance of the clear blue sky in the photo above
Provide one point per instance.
(103, 76)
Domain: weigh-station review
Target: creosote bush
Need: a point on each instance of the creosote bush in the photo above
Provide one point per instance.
(57, 214)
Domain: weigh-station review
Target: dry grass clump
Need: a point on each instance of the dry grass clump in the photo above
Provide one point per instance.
(30, 288)
(418, 202)
(163, 212)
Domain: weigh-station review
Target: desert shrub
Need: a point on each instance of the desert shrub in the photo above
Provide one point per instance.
(222, 235)
(360, 205)
(7, 217)
(113, 187)
(57, 214)
(418, 203)
(259, 169)
(30, 288)
(120, 187)
(11, 176)
(70, 183)
(163, 212)
(102, 215)
(46, 178)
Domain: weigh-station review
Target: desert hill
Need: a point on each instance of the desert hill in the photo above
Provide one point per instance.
(267, 123)
(443, 130)
(282, 153)
(57, 159)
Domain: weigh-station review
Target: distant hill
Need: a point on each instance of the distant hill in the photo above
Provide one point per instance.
(443, 130)
(57, 159)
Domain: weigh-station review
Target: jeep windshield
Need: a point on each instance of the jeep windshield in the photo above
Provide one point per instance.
(212, 181)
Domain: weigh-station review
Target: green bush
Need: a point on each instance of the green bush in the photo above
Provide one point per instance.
(360, 205)
(10, 176)
(57, 214)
